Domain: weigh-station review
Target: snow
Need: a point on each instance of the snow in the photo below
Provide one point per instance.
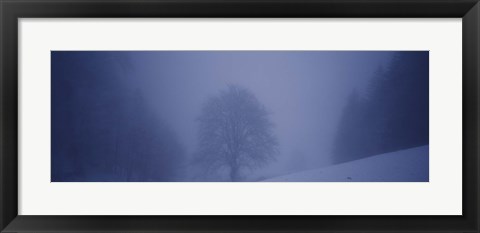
(410, 165)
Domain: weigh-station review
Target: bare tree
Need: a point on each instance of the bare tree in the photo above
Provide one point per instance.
(235, 133)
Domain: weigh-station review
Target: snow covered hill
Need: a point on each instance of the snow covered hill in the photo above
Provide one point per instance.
(410, 165)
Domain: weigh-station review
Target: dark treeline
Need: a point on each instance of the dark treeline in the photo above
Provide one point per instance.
(392, 115)
(102, 129)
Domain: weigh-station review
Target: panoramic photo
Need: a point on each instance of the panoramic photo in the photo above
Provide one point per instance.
(240, 116)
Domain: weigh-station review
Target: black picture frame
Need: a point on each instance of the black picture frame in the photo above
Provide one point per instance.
(11, 11)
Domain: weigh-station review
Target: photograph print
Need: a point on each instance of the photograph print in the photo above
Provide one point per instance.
(240, 116)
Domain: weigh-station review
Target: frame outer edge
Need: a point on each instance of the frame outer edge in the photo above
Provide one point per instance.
(477, 155)
(476, 8)
(9, 13)
(2, 221)
(471, 114)
(8, 114)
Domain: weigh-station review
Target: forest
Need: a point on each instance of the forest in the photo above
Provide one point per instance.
(107, 133)
(392, 115)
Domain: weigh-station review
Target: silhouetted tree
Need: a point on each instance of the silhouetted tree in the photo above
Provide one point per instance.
(235, 133)
(102, 127)
(393, 114)
(349, 130)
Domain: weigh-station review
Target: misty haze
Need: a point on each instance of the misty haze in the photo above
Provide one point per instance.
(240, 116)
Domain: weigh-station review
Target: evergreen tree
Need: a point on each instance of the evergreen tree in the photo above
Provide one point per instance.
(392, 116)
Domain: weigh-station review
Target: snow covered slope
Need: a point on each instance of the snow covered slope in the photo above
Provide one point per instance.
(410, 165)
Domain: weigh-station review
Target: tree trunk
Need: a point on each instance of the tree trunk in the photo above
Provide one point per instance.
(234, 173)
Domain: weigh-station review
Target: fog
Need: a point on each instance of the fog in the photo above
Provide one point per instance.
(304, 92)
